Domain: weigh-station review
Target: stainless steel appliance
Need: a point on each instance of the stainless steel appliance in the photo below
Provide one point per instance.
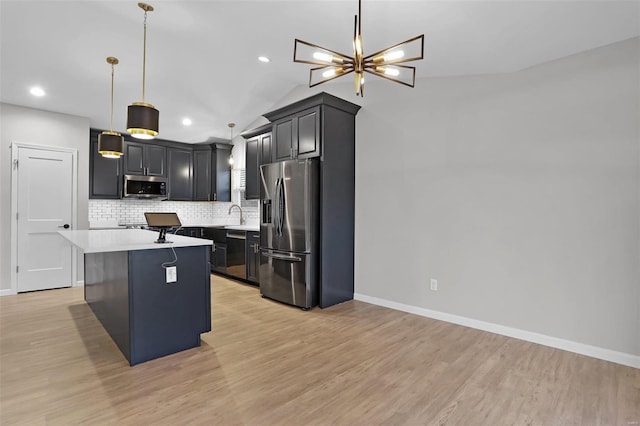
(288, 232)
(144, 187)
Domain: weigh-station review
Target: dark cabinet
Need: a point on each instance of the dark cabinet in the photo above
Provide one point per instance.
(202, 177)
(193, 172)
(144, 159)
(180, 174)
(221, 173)
(257, 153)
(219, 257)
(253, 256)
(325, 125)
(105, 177)
(297, 136)
(191, 231)
(219, 249)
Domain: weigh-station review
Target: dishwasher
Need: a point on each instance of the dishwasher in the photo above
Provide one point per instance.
(236, 254)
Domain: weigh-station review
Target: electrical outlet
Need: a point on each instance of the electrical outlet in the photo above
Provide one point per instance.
(172, 274)
(434, 284)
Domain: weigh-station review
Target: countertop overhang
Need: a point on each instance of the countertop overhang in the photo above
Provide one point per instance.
(110, 240)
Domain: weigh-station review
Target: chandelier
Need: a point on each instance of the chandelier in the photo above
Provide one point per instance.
(387, 63)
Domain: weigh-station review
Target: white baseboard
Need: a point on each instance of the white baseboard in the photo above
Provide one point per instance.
(79, 283)
(554, 342)
(6, 292)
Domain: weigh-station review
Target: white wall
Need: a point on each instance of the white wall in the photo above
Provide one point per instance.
(519, 192)
(27, 125)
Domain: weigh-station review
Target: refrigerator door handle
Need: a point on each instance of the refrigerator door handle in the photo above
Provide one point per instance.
(276, 208)
(281, 205)
(282, 257)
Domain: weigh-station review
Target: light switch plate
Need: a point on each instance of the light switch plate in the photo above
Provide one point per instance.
(172, 274)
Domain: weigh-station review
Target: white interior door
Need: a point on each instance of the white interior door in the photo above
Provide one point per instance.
(44, 206)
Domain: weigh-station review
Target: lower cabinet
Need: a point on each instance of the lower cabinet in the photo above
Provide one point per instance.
(219, 257)
(253, 256)
(191, 231)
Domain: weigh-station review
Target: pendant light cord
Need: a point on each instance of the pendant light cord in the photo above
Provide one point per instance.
(112, 72)
(144, 55)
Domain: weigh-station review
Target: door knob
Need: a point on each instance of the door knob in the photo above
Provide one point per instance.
(65, 226)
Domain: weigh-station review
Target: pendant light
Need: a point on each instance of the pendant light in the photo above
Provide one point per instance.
(231, 126)
(385, 63)
(110, 143)
(142, 118)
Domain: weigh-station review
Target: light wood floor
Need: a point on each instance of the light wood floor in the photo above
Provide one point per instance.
(265, 363)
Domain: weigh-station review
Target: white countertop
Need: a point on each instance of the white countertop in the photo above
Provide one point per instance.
(114, 225)
(106, 240)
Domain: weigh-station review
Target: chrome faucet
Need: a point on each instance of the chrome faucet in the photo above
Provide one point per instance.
(239, 208)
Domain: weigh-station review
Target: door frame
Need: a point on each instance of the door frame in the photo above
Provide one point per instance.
(15, 147)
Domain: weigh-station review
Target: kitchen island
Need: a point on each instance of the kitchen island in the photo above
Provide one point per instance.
(147, 311)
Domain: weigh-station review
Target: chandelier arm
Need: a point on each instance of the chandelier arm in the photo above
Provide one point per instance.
(412, 84)
(348, 70)
(342, 56)
(369, 58)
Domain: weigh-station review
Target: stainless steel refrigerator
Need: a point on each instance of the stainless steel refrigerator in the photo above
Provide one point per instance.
(289, 232)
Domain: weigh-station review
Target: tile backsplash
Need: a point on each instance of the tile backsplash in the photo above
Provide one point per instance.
(190, 213)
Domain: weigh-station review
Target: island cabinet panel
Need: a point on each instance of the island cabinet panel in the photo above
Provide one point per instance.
(105, 177)
(106, 291)
(145, 316)
(180, 174)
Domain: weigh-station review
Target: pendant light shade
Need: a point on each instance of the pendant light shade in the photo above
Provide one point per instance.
(142, 117)
(110, 144)
(142, 120)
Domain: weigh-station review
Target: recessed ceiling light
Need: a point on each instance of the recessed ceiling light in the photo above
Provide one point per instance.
(186, 121)
(263, 59)
(37, 91)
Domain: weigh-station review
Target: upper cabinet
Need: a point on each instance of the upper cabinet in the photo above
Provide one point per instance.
(194, 172)
(221, 173)
(180, 176)
(202, 176)
(297, 136)
(144, 159)
(105, 178)
(258, 152)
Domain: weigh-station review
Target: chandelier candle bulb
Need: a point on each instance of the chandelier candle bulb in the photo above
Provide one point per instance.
(321, 56)
(389, 56)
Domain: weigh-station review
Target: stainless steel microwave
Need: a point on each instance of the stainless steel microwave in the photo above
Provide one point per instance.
(144, 187)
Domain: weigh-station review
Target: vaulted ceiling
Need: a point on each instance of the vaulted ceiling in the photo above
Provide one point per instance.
(202, 55)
